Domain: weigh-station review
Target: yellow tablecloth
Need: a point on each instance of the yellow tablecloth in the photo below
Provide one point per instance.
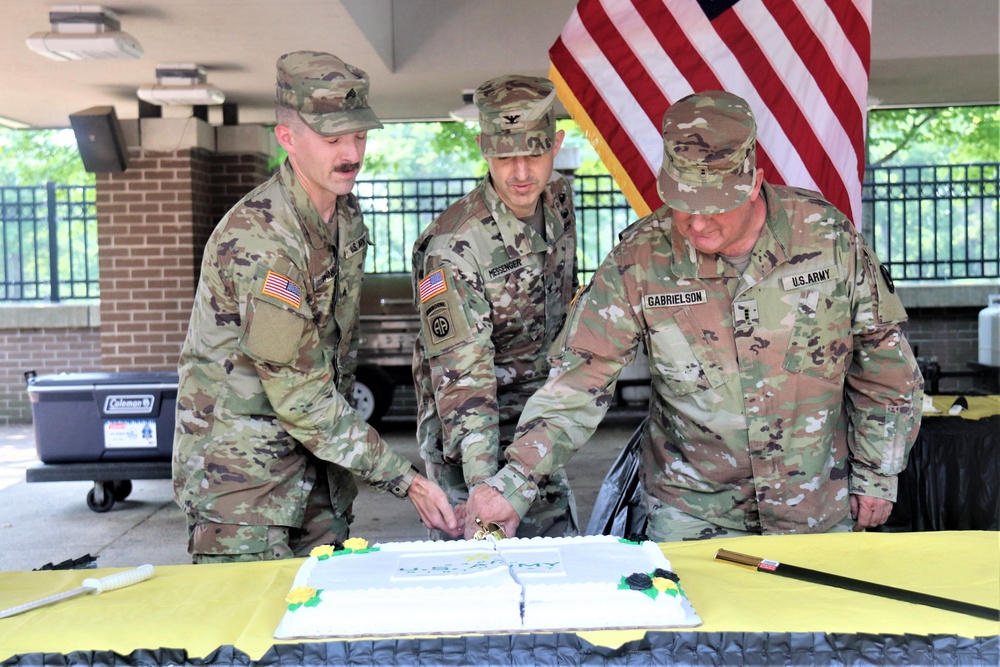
(199, 608)
(980, 407)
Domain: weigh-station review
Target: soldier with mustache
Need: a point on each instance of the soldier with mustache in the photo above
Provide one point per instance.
(267, 444)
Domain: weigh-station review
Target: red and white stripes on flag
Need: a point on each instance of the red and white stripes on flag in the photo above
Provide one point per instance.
(801, 64)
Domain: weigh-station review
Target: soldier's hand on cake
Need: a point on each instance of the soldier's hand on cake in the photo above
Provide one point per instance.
(432, 506)
(868, 511)
(489, 506)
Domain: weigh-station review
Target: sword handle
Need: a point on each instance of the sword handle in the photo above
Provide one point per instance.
(738, 558)
(119, 580)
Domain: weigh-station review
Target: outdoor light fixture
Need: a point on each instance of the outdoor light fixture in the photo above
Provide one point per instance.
(468, 111)
(181, 83)
(84, 32)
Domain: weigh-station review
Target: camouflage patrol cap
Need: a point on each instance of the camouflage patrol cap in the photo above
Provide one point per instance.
(709, 153)
(330, 96)
(516, 116)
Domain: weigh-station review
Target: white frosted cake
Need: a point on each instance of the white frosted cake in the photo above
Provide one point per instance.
(510, 585)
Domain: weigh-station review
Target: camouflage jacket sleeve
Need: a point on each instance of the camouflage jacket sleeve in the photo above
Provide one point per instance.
(600, 338)
(266, 363)
(456, 335)
(326, 424)
(301, 349)
(884, 388)
(495, 299)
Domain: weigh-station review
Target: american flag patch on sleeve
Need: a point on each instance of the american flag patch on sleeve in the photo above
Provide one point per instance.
(432, 285)
(280, 287)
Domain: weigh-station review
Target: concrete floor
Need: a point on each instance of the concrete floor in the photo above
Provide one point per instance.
(50, 522)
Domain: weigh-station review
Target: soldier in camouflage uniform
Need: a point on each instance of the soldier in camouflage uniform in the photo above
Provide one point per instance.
(266, 443)
(785, 398)
(493, 277)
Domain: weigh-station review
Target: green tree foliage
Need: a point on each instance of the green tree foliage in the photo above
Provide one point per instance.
(915, 212)
(423, 150)
(418, 150)
(34, 157)
(441, 150)
(447, 149)
(939, 135)
(944, 135)
(458, 141)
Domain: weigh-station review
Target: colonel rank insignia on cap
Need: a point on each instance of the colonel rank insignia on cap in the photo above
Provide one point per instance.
(433, 285)
(280, 287)
(516, 116)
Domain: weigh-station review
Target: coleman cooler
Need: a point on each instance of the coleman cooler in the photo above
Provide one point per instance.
(86, 417)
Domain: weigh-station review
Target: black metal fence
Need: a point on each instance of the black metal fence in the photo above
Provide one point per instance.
(934, 222)
(925, 222)
(397, 211)
(48, 240)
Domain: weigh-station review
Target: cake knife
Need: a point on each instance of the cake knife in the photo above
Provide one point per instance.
(857, 585)
(490, 532)
(96, 586)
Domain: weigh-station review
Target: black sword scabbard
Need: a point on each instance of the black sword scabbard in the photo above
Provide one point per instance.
(857, 585)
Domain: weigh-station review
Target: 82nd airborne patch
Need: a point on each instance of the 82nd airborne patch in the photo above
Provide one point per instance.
(439, 322)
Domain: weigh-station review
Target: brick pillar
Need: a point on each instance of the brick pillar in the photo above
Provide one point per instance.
(233, 176)
(153, 220)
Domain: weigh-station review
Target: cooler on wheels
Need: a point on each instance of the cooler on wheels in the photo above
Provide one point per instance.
(110, 428)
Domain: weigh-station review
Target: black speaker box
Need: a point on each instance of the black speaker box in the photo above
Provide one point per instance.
(100, 140)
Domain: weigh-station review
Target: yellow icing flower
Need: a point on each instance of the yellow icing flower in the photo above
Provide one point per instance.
(323, 551)
(300, 595)
(355, 544)
(663, 584)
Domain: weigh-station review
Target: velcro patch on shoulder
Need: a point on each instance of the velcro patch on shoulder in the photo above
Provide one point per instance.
(272, 333)
(443, 318)
(441, 325)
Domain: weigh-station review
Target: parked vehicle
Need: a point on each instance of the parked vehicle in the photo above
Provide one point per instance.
(389, 326)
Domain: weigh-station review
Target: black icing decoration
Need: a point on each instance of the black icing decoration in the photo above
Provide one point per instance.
(639, 581)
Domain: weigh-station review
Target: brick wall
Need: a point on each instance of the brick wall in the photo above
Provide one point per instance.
(949, 336)
(43, 350)
(145, 217)
(153, 221)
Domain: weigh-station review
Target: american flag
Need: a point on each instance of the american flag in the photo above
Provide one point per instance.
(801, 64)
(432, 285)
(280, 287)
